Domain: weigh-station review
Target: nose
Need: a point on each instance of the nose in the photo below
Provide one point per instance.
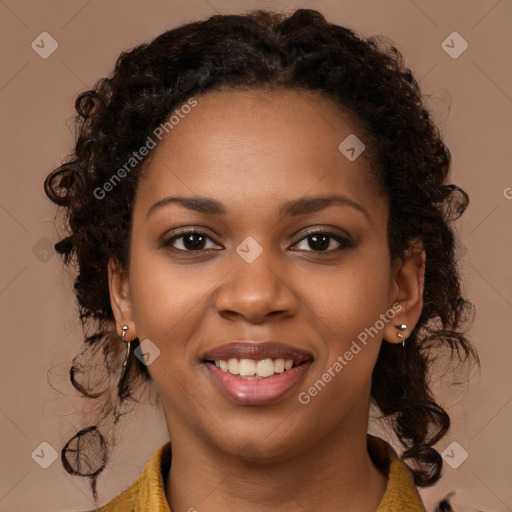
(257, 291)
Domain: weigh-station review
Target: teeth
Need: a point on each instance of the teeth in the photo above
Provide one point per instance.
(233, 366)
(251, 368)
(265, 368)
(247, 367)
(279, 365)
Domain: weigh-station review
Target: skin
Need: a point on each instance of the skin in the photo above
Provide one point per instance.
(253, 151)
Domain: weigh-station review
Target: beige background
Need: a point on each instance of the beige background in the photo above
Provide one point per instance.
(39, 330)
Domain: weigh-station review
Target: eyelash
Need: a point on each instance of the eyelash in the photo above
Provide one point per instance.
(345, 243)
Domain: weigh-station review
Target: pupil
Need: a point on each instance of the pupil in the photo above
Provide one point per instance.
(323, 239)
(194, 241)
(189, 242)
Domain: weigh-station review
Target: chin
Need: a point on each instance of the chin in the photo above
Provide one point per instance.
(257, 444)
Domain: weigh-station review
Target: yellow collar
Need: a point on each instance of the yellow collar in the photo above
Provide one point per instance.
(147, 494)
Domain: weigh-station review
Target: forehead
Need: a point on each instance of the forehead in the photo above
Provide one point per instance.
(248, 146)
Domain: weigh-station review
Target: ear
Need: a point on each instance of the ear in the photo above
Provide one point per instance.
(408, 284)
(120, 300)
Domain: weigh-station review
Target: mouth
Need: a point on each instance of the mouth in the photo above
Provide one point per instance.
(256, 373)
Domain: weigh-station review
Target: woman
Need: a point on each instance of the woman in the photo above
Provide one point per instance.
(258, 207)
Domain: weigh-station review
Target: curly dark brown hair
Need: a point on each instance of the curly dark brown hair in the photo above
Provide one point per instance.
(268, 50)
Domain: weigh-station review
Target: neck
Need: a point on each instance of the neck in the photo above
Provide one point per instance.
(334, 474)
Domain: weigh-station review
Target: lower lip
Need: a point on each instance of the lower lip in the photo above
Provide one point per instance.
(257, 391)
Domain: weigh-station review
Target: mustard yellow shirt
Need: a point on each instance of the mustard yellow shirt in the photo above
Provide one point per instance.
(147, 494)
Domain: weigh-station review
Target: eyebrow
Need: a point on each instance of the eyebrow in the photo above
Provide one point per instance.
(293, 208)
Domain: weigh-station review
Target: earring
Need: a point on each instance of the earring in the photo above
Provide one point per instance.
(119, 398)
(401, 327)
(125, 328)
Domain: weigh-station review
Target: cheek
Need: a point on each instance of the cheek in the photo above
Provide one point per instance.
(350, 299)
(163, 294)
(346, 311)
(165, 310)
(349, 311)
(167, 302)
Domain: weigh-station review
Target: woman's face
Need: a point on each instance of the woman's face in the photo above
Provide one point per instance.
(254, 275)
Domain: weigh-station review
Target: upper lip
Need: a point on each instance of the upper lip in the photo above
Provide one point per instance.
(256, 350)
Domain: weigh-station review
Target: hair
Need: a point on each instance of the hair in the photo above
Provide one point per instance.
(264, 50)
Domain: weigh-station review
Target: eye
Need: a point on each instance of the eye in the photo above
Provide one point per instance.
(189, 241)
(321, 241)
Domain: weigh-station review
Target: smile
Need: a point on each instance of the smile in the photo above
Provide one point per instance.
(256, 373)
(249, 368)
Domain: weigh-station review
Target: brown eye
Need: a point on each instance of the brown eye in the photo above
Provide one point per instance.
(189, 241)
(322, 241)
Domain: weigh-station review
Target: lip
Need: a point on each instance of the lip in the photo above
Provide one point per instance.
(256, 350)
(262, 391)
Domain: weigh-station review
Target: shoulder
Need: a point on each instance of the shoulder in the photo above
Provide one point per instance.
(401, 492)
(147, 493)
(124, 502)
